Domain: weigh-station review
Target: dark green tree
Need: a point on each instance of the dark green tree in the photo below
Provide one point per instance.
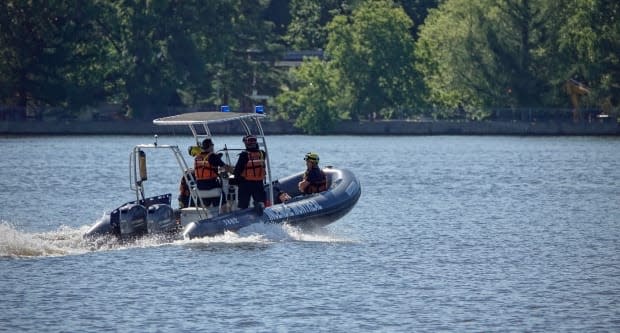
(316, 98)
(48, 55)
(307, 29)
(417, 10)
(588, 47)
(249, 49)
(163, 48)
(278, 12)
(485, 53)
(373, 52)
(313, 102)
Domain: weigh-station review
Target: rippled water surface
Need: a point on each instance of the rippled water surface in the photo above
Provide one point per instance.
(452, 233)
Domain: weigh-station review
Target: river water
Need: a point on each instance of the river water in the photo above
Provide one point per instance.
(452, 233)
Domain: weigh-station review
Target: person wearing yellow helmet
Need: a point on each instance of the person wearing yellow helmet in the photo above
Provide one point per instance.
(314, 179)
(193, 150)
(184, 198)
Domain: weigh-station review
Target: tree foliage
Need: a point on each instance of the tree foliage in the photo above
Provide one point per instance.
(168, 49)
(417, 10)
(373, 52)
(309, 100)
(315, 99)
(307, 29)
(381, 57)
(506, 53)
(48, 57)
(369, 70)
(589, 42)
(492, 59)
(146, 55)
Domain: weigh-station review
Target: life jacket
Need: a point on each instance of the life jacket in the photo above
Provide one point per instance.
(255, 167)
(202, 168)
(183, 187)
(316, 186)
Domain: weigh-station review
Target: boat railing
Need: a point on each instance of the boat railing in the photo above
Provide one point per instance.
(199, 122)
(138, 173)
(251, 126)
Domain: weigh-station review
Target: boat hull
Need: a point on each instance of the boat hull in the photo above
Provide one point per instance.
(308, 211)
(137, 218)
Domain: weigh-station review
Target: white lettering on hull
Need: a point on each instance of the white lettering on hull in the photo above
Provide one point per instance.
(282, 212)
(230, 221)
(352, 188)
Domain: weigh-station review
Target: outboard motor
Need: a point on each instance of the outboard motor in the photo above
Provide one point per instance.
(160, 218)
(132, 220)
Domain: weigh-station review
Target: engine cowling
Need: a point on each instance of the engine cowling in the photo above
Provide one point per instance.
(160, 218)
(132, 220)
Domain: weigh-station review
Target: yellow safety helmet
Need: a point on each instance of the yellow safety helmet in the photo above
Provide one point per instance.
(314, 157)
(193, 150)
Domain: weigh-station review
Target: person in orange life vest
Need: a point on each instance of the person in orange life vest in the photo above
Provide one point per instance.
(185, 199)
(250, 173)
(314, 179)
(206, 165)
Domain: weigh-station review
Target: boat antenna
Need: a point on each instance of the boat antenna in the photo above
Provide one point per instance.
(227, 156)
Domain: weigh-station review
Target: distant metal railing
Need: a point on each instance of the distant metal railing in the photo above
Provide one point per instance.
(503, 114)
(543, 114)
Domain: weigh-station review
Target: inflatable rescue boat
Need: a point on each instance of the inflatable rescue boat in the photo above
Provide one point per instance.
(155, 215)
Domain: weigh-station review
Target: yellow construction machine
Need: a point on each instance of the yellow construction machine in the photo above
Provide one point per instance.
(575, 90)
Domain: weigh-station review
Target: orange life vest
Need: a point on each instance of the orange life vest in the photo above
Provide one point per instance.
(204, 170)
(183, 188)
(317, 186)
(255, 168)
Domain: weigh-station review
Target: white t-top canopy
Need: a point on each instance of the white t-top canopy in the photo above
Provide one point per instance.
(198, 118)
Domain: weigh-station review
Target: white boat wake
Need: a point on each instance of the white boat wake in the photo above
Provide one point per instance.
(69, 241)
(61, 242)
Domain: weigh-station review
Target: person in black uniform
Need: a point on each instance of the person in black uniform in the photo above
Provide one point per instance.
(206, 165)
(250, 174)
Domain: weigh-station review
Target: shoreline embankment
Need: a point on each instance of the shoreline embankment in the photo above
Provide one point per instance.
(597, 127)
